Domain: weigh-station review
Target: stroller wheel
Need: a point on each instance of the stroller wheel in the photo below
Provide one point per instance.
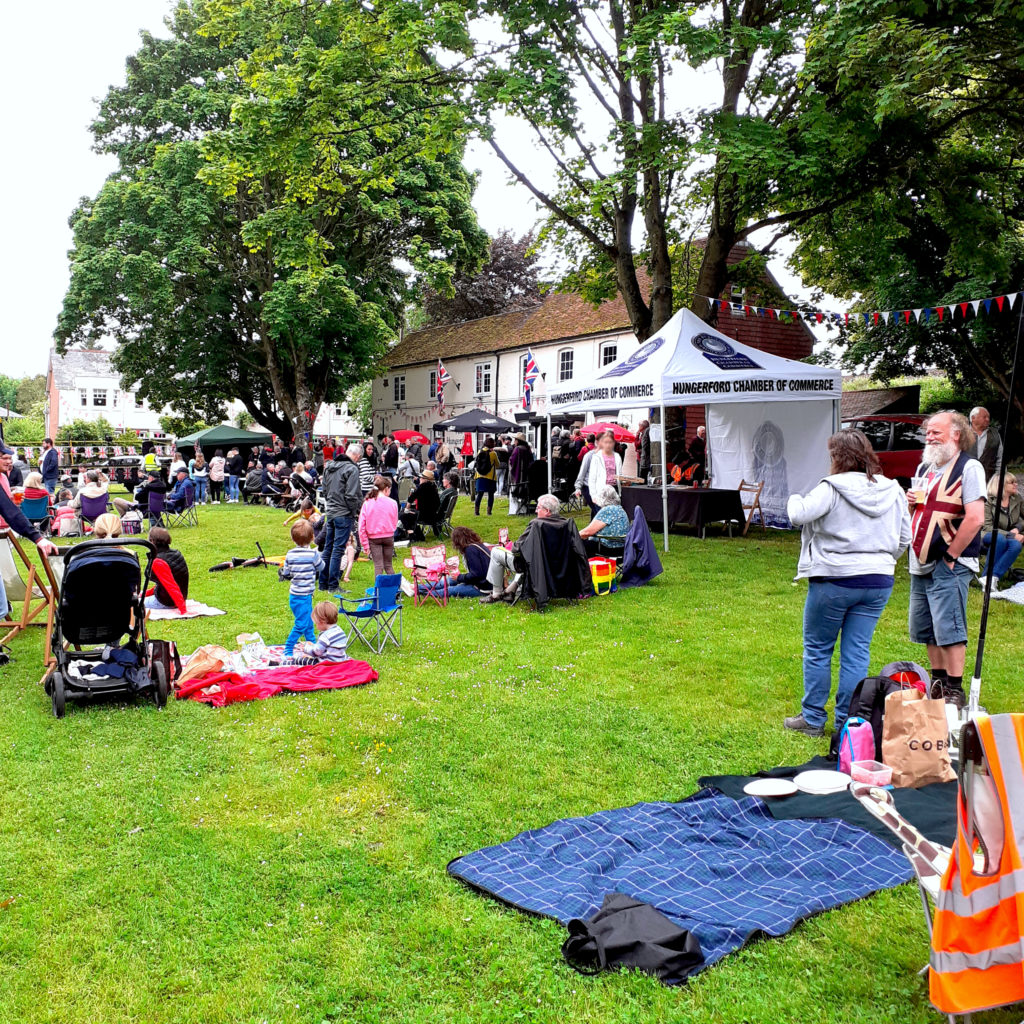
(57, 694)
(160, 689)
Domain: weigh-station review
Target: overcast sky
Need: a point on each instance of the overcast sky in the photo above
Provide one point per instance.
(51, 91)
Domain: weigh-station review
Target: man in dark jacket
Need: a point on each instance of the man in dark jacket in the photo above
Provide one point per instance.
(548, 558)
(49, 467)
(343, 496)
(988, 448)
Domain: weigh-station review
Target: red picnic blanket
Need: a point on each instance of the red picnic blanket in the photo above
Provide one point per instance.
(220, 688)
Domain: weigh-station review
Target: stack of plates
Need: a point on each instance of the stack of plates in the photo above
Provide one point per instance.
(821, 782)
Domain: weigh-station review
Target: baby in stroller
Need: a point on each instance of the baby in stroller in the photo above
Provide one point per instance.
(100, 610)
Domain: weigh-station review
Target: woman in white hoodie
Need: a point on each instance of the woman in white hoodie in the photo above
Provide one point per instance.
(854, 527)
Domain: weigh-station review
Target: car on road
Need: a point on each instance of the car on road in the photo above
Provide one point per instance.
(898, 438)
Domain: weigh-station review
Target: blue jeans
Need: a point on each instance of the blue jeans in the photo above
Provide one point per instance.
(828, 612)
(51, 486)
(1005, 554)
(302, 608)
(336, 533)
(233, 487)
(199, 483)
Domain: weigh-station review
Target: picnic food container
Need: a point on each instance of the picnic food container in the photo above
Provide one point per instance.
(873, 773)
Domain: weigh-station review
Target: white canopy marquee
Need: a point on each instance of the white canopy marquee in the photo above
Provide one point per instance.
(768, 418)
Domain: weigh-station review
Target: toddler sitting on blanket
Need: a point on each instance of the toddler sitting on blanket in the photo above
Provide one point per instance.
(330, 645)
(332, 641)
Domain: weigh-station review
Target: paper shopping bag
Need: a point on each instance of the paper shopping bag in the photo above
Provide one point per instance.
(915, 739)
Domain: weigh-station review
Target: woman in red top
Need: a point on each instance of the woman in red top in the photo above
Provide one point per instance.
(34, 487)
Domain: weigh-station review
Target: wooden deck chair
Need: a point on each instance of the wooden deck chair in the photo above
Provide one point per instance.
(750, 499)
(36, 592)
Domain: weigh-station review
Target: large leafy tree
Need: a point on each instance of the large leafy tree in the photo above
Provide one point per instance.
(508, 280)
(785, 123)
(257, 238)
(951, 228)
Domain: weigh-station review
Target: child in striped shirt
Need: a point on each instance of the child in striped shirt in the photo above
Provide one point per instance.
(332, 642)
(301, 566)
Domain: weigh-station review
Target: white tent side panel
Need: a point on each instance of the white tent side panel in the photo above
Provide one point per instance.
(781, 443)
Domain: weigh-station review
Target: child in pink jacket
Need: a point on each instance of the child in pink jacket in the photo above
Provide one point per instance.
(378, 520)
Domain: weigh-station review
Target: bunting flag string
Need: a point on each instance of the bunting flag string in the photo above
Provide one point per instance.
(871, 318)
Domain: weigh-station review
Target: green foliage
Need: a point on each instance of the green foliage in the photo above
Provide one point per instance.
(275, 172)
(8, 393)
(87, 430)
(359, 402)
(31, 394)
(244, 420)
(937, 390)
(284, 860)
(27, 430)
(181, 426)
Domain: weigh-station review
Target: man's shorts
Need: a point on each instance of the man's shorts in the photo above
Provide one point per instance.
(938, 606)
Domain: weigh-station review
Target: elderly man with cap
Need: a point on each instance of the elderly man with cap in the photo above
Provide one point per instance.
(12, 516)
(422, 507)
(182, 494)
(988, 449)
(343, 496)
(153, 484)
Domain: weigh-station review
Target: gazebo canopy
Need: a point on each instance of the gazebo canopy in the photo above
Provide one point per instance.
(688, 362)
(225, 437)
(475, 421)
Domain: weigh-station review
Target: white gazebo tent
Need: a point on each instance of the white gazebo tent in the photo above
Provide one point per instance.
(768, 418)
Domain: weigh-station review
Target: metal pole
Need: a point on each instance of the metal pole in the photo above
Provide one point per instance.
(664, 474)
(550, 452)
(975, 694)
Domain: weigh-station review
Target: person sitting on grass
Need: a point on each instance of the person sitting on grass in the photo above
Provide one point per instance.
(606, 532)
(170, 574)
(332, 643)
(65, 521)
(501, 559)
(476, 555)
(301, 566)
(253, 480)
(1003, 533)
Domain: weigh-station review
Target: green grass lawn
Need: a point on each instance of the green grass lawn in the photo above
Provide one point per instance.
(284, 860)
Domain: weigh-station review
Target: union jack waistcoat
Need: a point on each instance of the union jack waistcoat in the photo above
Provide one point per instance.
(935, 523)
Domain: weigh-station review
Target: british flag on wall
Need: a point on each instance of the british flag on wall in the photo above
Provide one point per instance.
(443, 377)
(530, 375)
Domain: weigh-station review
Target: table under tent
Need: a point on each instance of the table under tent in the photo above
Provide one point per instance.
(768, 418)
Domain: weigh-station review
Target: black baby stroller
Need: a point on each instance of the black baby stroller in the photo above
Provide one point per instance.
(101, 603)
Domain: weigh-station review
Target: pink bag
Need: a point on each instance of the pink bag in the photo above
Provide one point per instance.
(856, 743)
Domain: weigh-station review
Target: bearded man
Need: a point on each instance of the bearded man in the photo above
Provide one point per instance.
(945, 544)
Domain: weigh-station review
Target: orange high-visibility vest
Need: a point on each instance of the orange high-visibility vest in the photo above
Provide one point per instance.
(977, 960)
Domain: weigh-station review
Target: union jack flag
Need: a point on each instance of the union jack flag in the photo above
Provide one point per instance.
(530, 375)
(443, 377)
(941, 511)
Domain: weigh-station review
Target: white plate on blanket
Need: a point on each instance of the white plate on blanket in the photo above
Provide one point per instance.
(770, 787)
(820, 781)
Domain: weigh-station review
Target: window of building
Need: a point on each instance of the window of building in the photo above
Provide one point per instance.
(483, 378)
(337, 411)
(399, 388)
(433, 384)
(522, 375)
(565, 358)
(139, 402)
(113, 397)
(83, 394)
(609, 353)
(99, 396)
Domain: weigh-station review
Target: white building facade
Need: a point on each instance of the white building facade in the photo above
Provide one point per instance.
(83, 385)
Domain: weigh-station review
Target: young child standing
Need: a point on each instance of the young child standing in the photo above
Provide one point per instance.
(301, 566)
(332, 643)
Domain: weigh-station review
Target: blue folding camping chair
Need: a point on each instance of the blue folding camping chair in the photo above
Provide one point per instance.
(374, 616)
(37, 512)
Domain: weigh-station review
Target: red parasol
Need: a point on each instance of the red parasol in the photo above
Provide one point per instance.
(620, 433)
(405, 436)
(467, 444)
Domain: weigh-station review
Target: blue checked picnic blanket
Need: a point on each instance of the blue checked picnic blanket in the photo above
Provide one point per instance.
(724, 869)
